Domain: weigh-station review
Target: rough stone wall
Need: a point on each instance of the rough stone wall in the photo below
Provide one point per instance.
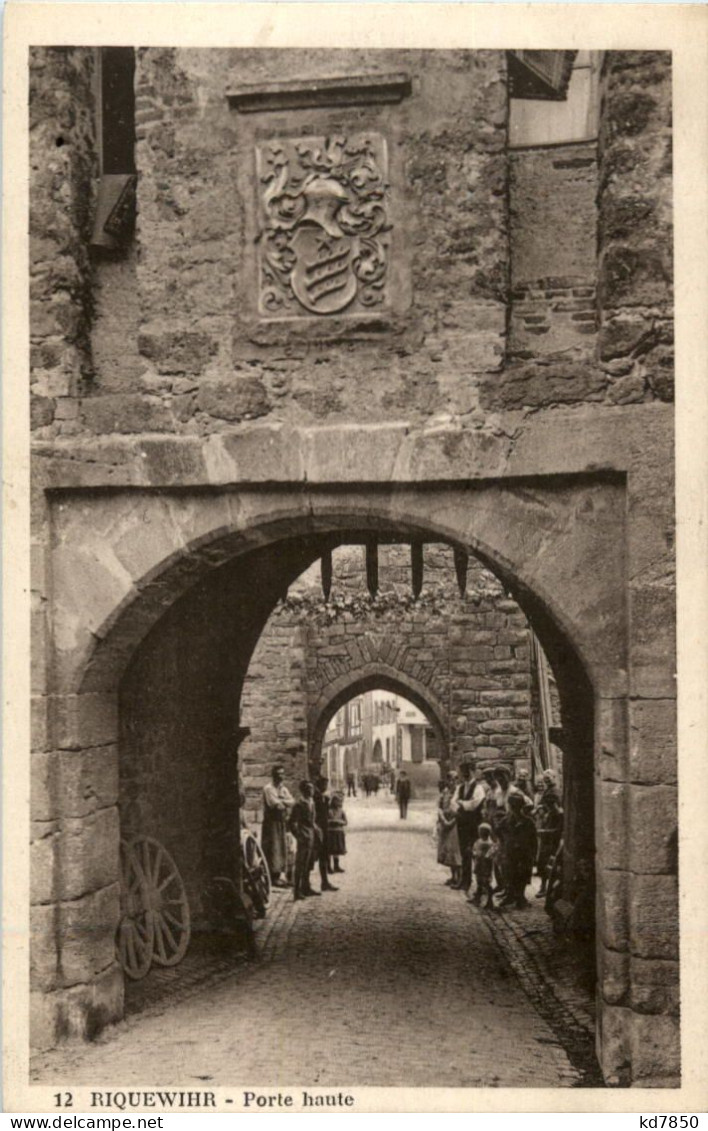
(194, 359)
(471, 656)
(63, 167)
(553, 225)
(274, 707)
(639, 972)
(601, 332)
(635, 225)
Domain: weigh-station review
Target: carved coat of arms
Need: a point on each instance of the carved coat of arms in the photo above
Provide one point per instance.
(323, 243)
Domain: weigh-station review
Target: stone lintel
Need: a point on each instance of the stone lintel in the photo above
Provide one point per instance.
(348, 90)
(576, 442)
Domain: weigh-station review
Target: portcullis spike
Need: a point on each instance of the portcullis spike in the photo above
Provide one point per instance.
(461, 563)
(417, 567)
(372, 566)
(326, 572)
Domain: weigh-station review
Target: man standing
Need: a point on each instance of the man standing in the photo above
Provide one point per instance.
(403, 794)
(519, 841)
(468, 800)
(304, 828)
(351, 785)
(322, 800)
(277, 803)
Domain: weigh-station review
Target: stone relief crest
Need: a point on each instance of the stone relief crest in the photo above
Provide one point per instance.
(323, 239)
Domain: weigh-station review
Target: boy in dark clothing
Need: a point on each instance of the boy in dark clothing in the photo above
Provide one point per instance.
(519, 846)
(403, 794)
(483, 851)
(303, 826)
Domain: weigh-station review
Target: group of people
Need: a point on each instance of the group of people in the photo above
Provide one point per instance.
(491, 831)
(315, 823)
(495, 829)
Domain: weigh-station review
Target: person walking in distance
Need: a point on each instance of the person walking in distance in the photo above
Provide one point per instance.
(322, 802)
(403, 794)
(469, 798)
(304, 828)
(351, 785)
(277, 803)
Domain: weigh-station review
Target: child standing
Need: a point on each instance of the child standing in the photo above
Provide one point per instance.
(483, 852)
(336, 839)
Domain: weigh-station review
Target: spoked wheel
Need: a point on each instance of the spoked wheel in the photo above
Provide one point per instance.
(166, 901)
(135, 936)
(256, 875)
(554, 887)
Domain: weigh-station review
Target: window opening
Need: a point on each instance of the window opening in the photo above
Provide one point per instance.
(115, 207)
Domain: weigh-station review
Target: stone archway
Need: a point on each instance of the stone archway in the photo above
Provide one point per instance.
(124, 561)
(208, 582)
(374, 674)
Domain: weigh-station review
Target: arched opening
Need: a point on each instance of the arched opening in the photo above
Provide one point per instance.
(394, 734)
(184, 695)
(177, 654)
(376, 676)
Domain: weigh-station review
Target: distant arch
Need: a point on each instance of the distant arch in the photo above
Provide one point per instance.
(369, 677)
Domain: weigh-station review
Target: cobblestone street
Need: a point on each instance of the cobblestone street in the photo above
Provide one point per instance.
(393, 980)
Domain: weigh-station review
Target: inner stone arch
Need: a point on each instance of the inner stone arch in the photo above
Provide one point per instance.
(372, 676)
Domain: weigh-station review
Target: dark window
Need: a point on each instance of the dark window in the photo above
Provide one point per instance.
(118, 109)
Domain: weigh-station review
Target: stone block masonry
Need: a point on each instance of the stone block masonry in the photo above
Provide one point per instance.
(194, 454)
(553, 221)
(198, 356)
(635, 225)
(63, 163)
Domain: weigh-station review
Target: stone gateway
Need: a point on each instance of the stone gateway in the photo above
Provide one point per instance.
(291, 302)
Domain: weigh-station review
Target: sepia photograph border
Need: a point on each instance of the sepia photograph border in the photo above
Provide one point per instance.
(682, 29)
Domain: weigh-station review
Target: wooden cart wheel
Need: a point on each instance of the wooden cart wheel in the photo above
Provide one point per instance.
(166, 901)
(135, 935)
(256, 874)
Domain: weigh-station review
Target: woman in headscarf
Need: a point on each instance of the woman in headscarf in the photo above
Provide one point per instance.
(448, 842)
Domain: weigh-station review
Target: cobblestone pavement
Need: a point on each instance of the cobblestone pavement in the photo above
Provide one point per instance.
(392, 980)
(553, 977)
